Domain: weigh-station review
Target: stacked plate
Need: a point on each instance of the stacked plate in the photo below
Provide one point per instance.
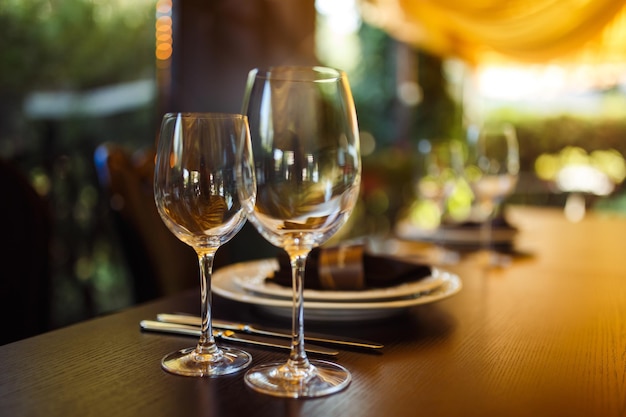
(247, 282)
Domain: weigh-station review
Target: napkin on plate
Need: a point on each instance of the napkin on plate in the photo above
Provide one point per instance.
(350, 268)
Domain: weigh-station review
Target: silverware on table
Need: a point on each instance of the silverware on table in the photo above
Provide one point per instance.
(229, 335)
(260, 330)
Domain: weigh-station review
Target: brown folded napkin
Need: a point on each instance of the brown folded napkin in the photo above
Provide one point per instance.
(350, 268)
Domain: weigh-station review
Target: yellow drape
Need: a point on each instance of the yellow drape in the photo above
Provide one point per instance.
(491, 30)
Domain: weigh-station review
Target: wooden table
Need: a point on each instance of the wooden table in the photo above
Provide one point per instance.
(544, 337)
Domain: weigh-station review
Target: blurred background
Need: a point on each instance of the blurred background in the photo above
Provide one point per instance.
(84, 84)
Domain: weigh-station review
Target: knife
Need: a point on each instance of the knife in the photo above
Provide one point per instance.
(228, 335)
(255, 329)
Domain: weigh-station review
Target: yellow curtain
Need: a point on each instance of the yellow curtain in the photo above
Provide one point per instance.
(492, 30)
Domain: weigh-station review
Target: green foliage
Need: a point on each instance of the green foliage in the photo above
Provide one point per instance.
(374, 88)
(20, 37)
(550, 135)
(436, 116)
(75, 44)
(373, 84)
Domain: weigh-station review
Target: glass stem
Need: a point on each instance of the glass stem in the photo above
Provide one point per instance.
(440, 256)
(486, 234)
(297, 357)
(486, 227)
(206, 344)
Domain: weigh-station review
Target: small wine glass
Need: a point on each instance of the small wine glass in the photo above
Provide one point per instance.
(492, 172)
(439, 173)
(299, 184)
(195, 191)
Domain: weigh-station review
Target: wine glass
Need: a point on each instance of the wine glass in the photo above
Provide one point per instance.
(299, 184)
(439, 174)
(492, 172)
(195, 191)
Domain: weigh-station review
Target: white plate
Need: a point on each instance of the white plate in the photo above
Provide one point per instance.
(258, 284)
(459, 235)
(223, 284)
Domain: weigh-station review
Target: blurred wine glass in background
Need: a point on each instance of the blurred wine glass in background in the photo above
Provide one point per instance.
(492, 170)
(439, 173)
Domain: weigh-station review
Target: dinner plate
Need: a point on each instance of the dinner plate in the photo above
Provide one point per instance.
(405, 229)
(258, 284)
(224, 284)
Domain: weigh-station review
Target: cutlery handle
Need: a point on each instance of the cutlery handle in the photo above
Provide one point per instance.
(185, 330)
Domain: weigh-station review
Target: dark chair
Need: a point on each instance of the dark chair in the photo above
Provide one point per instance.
(25, 283)
(159, 262)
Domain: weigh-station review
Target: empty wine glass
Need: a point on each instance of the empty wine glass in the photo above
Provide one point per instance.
(195, 192)
(439, 174)
(492, 172)
(298, 184)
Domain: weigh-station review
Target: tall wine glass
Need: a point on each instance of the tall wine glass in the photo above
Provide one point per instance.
(299, 184)
(492, 173)
(196, 195)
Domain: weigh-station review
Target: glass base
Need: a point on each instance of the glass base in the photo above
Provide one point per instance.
(188, 362)
(280, 380)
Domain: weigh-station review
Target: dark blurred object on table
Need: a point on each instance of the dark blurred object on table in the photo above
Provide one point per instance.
(25, 257)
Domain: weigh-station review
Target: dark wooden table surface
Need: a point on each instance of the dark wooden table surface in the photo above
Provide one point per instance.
(544, 337)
